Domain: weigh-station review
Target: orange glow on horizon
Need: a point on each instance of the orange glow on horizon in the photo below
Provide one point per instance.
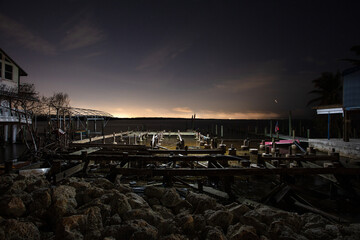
(201, 115)
(180, 112)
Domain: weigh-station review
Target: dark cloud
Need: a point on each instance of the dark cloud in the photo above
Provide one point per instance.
(227, 59)
(14, 31)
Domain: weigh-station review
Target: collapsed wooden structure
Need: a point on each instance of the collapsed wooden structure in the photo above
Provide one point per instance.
(196, 168)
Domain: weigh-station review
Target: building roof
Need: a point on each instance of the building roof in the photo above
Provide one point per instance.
(328, 106)
(21, 71)
(351, 70)
(329, 109)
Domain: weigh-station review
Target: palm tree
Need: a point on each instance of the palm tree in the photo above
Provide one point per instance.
(328, 89)
(356, 50)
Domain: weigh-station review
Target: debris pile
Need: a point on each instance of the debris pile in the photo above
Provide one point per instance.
(31, 208)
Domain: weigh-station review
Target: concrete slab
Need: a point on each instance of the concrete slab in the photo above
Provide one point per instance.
(349, 149)
(286, 137)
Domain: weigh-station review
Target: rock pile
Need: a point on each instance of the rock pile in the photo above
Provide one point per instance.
(31, 208)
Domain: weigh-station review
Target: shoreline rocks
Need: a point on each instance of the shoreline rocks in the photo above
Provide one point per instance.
(31, 208)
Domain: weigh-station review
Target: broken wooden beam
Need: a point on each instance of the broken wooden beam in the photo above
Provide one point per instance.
(69, 172)
(106, 145)
(191, 151)
(302, 158)
(148, 158)
(236, 171)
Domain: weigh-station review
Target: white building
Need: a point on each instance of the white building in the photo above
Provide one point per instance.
(10, 74)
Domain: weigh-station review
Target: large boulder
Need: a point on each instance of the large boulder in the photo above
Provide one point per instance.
(267, 215)
(260, 227)
(238, 211)
(163, 211)
(153, 201)
(17, 186)
(113, 220)
(146, 214)
(103, 183)
(105, 209)
(79, 185)
(201, 202)
(182, 206)
(215, 234)
(64, 202)
(326, 232)
(133, 229)
(123, 188)
(71, 227)
(199, 222)
(119, 204)
(168, 226)
(186, 222)
(220, 218)
(170, 198)
(278, 230)
(311, 220)
(6, 181)
(154, 192)
(41, 202)
(94, 223)
(136, 201)
(40, 182)
(14, 229)
(91, 193)
(239, 232)
(351, 231)
(12, 206)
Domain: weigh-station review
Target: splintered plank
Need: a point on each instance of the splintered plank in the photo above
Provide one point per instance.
(326, 176)
(211, 191)
(69, 172)
(106, 145)
(149, 158)
(86, 140)
(302, 158)
(88, 150)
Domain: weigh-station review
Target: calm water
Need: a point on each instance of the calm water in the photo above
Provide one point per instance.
(11, 151)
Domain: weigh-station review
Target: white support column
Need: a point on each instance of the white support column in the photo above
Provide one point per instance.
(14, 132)
(6, 132)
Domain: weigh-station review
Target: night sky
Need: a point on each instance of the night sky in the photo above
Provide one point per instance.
(218, 59)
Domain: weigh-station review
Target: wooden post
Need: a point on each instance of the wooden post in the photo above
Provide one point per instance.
(290, 129)
(346, 126)
(55, 168)
(85, 159)
(200, 185)
(8, 166)
(328, 132)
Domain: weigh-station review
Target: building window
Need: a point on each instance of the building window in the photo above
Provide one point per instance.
(0, 65)
(8, 71)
